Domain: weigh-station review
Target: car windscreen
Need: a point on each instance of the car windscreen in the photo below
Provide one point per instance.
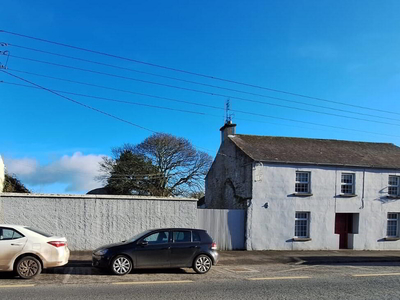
(38, 232)
(138, 236)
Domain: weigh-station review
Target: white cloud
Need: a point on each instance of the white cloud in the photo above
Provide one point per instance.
(23, 166)
(78, 171)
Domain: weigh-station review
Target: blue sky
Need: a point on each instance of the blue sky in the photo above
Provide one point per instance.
(343, 51)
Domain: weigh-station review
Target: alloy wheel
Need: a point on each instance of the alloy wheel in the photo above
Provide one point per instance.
(28, 267)
(121, 265)
(203, 264)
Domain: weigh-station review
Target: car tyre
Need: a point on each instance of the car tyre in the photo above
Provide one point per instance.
(121, 265)
(28, 267)
(202, 264)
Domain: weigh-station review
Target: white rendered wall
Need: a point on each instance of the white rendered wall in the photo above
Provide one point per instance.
(272, 228)
(89, 221)
(2, 175)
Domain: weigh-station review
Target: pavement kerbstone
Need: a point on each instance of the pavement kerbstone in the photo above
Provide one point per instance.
(276, 257)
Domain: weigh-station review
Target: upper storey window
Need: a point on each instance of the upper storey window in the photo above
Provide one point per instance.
(302, 184)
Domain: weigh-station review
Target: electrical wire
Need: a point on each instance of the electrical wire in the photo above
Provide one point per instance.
(118, 90)
(238, 111)
(125, 91)
(87, 106)
(165, 98)
(203, 92)
(198, 83)
(191, 73)
(123, 101)
(79, 103)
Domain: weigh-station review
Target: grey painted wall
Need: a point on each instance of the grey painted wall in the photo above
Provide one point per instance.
(89, 221)
(226, 226)
(229, 180)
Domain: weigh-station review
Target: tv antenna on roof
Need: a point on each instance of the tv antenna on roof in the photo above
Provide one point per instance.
(228, 114)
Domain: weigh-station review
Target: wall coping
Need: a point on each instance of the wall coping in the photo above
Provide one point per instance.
(84, 196)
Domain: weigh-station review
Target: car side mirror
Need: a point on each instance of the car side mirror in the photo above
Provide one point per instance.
(144, 243)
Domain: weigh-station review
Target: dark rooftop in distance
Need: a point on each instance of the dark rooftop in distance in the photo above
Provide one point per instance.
(318, 151)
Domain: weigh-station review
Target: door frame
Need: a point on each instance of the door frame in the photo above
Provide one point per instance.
(344, 227)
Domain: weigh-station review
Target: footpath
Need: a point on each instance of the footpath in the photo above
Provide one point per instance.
(284, 257)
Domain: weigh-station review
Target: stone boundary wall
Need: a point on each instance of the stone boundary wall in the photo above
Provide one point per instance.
(89, 221)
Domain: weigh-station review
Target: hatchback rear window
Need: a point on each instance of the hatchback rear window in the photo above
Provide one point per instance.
(38, 232)
(182, 236)
(196, 236)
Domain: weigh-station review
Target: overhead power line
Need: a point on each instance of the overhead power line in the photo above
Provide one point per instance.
(192, 73)
(197, 83)
(137, 93)
(179, 101)
(201, 91)
(79, 103)
(118, 90)
(117, 100)
(147, 129)
(238, 111)
(90, 107)
(152, 96)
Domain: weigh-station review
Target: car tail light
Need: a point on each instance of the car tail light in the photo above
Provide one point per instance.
(57, 244)
(214, 246)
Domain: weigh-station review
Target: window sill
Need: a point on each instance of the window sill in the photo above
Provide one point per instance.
(302, 194)
(347, 195)
(391, 238)
(301, 239)
(393, 197)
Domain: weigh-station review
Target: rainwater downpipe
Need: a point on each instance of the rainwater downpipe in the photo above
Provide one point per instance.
(336, 179)
(363, 191)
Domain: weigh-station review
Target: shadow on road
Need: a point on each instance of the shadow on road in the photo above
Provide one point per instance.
(79, 267)
(348, 260)
(8, 275)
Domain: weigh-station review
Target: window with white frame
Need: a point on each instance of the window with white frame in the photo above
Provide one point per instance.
(393, 185)
(302, 225)
(392, 225)
(302, 184)
(347, 184)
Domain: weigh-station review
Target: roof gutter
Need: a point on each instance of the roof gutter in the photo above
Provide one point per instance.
(323, 164)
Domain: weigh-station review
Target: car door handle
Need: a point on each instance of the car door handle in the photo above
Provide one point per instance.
(166, 248)
(197, 247)
(16, 244)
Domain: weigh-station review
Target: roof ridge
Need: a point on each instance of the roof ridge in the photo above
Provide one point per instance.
(292, 150)
(315, 139)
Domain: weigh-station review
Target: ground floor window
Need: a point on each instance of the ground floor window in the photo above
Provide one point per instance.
(302, 225)
(392, 225)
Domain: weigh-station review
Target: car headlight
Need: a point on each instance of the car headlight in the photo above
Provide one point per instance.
(101, 252)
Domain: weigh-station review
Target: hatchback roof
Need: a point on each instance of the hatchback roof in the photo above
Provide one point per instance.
(177, 228)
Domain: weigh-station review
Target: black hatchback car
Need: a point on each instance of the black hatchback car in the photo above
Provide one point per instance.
(159, 248)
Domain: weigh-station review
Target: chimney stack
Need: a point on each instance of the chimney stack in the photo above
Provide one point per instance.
(228, 129)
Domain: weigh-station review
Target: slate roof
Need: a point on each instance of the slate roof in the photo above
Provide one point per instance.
(318, 151)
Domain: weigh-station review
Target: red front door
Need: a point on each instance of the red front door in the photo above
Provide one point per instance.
(343, 226)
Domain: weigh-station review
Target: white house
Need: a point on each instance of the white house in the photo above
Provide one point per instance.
(1, 174)
(309, 194)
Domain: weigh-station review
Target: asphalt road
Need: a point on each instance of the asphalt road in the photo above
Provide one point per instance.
(278, 281)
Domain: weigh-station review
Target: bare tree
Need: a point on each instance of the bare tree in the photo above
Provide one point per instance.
(162, 165)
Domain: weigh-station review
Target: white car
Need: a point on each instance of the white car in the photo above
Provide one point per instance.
(27, 251)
